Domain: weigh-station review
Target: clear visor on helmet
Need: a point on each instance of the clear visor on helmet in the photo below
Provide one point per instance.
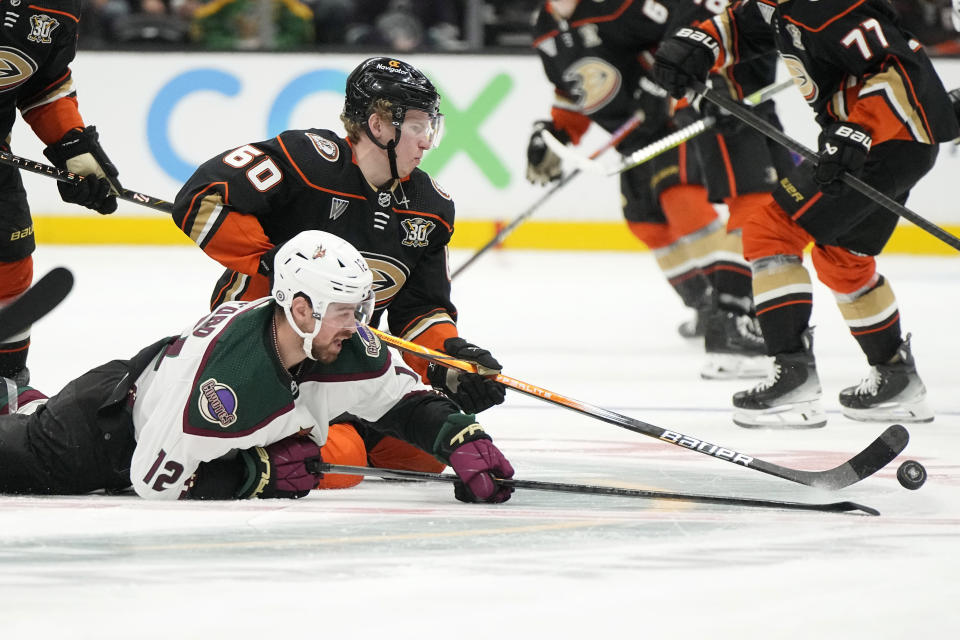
(347, 315)
(418, 124)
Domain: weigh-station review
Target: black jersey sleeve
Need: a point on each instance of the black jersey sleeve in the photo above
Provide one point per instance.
(52, 44)
(47, 100)
(223, 206)
(885, 82)
(418, 419)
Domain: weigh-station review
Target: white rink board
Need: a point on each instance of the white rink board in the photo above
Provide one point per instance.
(146, 127)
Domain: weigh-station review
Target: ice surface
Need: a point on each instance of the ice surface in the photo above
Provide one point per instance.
(405, 560)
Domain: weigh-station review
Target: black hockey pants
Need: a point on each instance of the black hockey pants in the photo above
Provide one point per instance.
(81, 440)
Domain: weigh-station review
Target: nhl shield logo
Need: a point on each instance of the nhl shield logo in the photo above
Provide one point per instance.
(418, 232)
(41, 26)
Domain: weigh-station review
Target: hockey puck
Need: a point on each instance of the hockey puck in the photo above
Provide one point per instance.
(911, 475)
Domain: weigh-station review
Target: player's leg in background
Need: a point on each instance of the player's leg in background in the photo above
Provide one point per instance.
(16, 267)
(680, 260)
(739, 169)
(76, 443)
(783, 295)
(774, 239)
(892, 389)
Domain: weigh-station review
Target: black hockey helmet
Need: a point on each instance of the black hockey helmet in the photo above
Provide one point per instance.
(400, 83)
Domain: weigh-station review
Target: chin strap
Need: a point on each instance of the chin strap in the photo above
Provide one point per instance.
(391, 148)
(392, 156)
(307, 337)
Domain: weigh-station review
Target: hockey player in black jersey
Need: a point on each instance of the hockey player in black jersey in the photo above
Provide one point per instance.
(883, 111)
(597, 56)
(38, 42)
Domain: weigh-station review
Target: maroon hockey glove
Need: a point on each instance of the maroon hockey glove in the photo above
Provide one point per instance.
(476, 463)
(288, 468)
(843, 147)
(473, 392)
(543, 165)
(79, 151)
(686, 55)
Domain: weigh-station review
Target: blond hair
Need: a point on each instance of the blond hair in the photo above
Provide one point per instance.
(354, 129)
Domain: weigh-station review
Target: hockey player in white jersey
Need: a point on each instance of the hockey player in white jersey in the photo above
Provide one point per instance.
(238, 405)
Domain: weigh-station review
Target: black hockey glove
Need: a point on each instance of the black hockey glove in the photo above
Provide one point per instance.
(686, 55)
(654, 102)
(843, 147)
(473, 392)
(543, 165)
(288, 468)
(79, 151)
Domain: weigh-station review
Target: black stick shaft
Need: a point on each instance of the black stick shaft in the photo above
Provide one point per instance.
(855, 183)
(606, 491)
(63, 175)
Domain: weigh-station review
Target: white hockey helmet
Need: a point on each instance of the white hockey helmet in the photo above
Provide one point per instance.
(327, 270)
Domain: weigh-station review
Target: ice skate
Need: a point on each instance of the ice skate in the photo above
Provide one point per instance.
(891, 392)
(790, 397)
(734, 347)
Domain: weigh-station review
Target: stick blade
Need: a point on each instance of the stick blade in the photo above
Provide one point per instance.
(856, 506)
(876, 456)
(38, 301)
(571, 156)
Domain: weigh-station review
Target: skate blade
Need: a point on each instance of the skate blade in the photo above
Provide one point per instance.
(799, 415)
(918, 411)
(725, 366)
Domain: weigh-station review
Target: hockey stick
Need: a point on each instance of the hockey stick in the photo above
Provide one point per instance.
(852, 181)
(658, 147)
(39, 300)
(638, 157)
(604, 491)
(66, 176)
(877, 454)
(615, 138)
